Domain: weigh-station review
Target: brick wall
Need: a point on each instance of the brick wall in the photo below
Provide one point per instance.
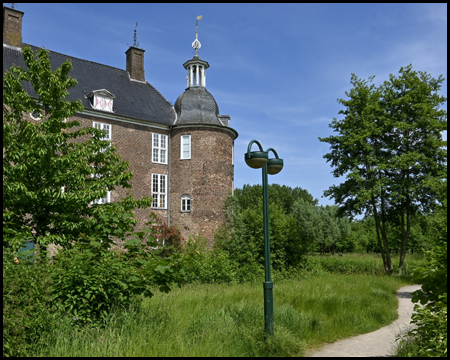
(12, 27)
(207, 177)
(134, 145)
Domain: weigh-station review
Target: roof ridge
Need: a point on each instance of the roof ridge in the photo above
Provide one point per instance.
(159, 93)
(73, 57)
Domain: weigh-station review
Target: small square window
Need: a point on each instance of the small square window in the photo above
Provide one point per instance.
(186, 203)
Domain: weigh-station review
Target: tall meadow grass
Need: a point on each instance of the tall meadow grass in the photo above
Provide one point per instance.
(228, 320)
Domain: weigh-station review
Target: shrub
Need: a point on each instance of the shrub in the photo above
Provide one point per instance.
(27, 308)
(431, 320)
(90, 280)
(206, 265)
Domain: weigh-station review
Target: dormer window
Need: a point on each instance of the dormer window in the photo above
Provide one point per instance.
(101, 100)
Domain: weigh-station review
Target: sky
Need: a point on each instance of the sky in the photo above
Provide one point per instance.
(276, 69)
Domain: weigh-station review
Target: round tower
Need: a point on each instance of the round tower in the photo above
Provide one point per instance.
(201, 156)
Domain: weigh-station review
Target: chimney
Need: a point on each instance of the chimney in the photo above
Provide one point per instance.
(12, 27)
(135, 63)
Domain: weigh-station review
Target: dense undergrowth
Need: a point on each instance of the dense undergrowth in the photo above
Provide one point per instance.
(102, 312)
(228, 319)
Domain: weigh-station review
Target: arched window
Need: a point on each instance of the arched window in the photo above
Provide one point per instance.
(186, 203)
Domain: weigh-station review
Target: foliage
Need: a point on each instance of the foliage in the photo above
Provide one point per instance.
(27, 306)
(165, 235)
(245, 241)
(86, 281)
(51, 193)
(390, 148)
(321, 226)
(429, 338)
(90, 279)
(369, 264)
(205, 265)
(285, 196)
(211, 320)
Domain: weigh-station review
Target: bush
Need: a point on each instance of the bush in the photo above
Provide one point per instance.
(431, 320)
(205, 265)
(28, 311)
(90, 280)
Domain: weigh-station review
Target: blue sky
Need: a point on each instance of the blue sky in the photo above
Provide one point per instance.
(276, 69)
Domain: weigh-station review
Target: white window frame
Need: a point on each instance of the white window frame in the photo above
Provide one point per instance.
(104, 200)
(232, 154)
(159, 191)
(36, 118)
(159, 152)
(186, 203)
(104, 126)
(182, 154)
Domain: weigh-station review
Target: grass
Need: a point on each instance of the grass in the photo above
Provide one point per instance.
(227, 320)
(355, 263)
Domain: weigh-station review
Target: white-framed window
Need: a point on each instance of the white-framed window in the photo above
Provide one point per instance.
(232, 154)
(107, 198)
(103, 126)
(102, 100)
(35, 115)
(159, 191)
(185, 148)
(159, 148)
(186, 203)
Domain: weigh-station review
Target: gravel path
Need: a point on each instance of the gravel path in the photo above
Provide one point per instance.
(377, 343)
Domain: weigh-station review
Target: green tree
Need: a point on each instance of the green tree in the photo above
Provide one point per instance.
(309, 222)
(53, 170)
(283, 195)
(390, 149)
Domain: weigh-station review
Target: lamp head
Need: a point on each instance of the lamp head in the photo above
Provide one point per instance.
(274, 166)
(256, 159)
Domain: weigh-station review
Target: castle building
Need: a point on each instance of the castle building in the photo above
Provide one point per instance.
(181, 155)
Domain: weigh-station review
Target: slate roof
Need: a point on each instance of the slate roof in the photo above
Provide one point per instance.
(133, 99)
(197, 106)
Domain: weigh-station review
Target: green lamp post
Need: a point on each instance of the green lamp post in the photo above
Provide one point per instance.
(257, 160)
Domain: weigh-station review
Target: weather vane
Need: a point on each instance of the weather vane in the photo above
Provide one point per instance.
(196, 44)
(135, 44)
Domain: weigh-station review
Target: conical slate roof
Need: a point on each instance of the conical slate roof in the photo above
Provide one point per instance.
(197, 106)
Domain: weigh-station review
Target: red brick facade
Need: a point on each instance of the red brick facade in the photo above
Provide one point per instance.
(134, 113)
(207, 178)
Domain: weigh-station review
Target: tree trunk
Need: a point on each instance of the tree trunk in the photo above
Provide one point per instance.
(405, 236)
(384, 234)
(383, 245)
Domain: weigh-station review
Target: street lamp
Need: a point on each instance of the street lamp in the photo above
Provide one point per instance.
(257, 160)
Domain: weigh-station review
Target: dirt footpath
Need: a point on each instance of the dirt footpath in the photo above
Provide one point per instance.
(377, 343)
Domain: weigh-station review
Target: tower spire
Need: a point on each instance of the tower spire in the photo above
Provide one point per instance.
(196, 44)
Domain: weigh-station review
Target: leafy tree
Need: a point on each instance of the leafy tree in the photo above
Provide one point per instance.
(282, 195)
(54, 170)
(390, 149)
(321, 225)
(243, 236)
